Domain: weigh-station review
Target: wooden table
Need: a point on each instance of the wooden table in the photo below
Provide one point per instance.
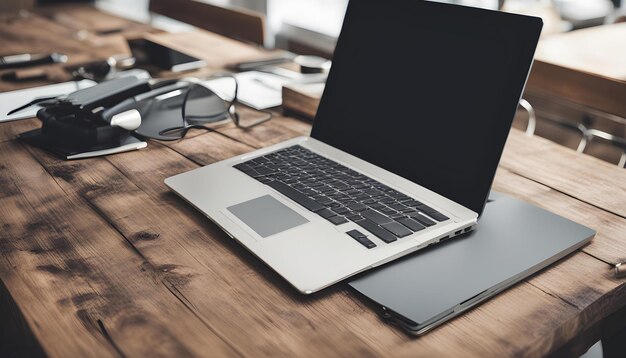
(99, 258)
(584, 68)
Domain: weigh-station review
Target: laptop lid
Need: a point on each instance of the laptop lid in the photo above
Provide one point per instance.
(513, 241)
(427, 91)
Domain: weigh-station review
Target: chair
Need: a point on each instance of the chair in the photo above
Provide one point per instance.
(240, 24)
(587, 135)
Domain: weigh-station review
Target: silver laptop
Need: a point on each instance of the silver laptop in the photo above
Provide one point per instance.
(414, 86)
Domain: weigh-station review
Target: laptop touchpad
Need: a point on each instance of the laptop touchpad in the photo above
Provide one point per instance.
(266, 215)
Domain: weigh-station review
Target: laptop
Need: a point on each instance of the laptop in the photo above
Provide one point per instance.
(403, 150)
(512, 241)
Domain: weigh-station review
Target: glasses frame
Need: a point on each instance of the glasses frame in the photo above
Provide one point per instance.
(230, 110)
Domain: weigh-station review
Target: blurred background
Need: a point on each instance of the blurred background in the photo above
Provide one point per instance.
(576, 94)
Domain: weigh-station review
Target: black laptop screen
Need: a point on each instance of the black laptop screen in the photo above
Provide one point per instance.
(427, 91)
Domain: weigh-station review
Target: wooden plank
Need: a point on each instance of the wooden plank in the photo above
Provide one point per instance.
(582, 88)
(91, 21)
(10, 130)
(217, 51)
(278, 129)
(81, 288)
(237, 23)
(581, 176)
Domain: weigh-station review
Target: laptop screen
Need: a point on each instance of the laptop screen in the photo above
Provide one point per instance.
(427, 91)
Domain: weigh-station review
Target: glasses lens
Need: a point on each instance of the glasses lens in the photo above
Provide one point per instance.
(204, 106)
(160, 115)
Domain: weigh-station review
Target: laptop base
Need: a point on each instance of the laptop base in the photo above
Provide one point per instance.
(512, 241)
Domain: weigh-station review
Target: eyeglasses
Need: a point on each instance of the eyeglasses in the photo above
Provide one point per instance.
(186, 105)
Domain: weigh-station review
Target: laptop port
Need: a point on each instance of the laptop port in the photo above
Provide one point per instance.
(458, 232)
(467, 229)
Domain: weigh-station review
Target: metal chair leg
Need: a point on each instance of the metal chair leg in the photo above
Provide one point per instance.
(532, 117)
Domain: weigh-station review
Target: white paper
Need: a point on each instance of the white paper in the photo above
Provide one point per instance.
(14, 99)
(258, 90)
(130, 143)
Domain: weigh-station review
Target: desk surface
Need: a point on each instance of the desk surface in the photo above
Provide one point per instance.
(100, 258)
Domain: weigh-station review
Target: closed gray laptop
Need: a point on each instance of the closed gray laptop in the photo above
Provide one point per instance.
(512, 241)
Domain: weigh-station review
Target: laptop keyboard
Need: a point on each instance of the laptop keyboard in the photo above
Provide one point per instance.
(340, 194)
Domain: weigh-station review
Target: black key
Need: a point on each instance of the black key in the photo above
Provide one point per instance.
(325, 213)
(397, 206)
(373, 192)
(412, 203)
(411, 224)
(337, 220)
(397, 216)
(432, 212)
(438, 216)
(296, 196)
(388, 211)
(382, 187)
(398, 195)
(353, 217)
(338, 185)
(308, 192)
(341, 210)
(356, 206)
(397, 229)
(422, 219)
(379, 232)
(377, 206)
(361, 238)
(376, 217)
(425, 208)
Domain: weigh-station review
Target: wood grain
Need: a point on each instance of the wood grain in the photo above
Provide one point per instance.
(90, 21)
(590, 180)
(75, 274)
(237, 23)
(585, 67)
(216, 50)
(186, 240)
